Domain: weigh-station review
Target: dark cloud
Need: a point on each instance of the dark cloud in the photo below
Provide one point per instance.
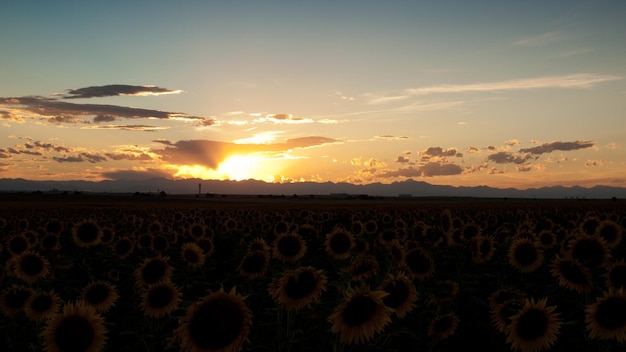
(402, 159)
(438, 152)
(5, 153)
(524, 167)
(145, 128)
(427, 170)
(79, 158)
(508, 157)
(129, 156)
(116, 90)
(472, 150)
(65, 112)
(211, 153)
(550, 147)
(50, 146)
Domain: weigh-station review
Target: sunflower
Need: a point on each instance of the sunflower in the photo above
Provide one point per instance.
(258, 244)
(571, 274)
(610, 231)
(219, 322)
(443, 326)
(54, 226)
(363, 268)
(206, 243)
(547, 239)
(193, 255)
(470, 231)
(42, 305)
(525, 255)
(123, 247)
(590, 250)
(31, 266)
(160, 243)
(361, 316)
(534, 328)
(338, 243)
(50, 242)
(77, 328)
(101, 295)
(254, 264)
(419, 263)
(482, 248)
(108, 235)
(289, 247)
(402, 294)
(87, 233)
(297, 288)
(13, 299)
(160, 299)
(396, 250)
(17, 244)
(504, 303)
(153, 270)
(606, 319)
(616, 275)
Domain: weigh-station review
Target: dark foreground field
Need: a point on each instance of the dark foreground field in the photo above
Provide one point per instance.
(279, 273)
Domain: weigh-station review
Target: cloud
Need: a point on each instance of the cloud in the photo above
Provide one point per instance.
(508, 157)
(552, 146)
(145, 128)
(541, 39)
(81, 157)
(282, 119)
(583, 80)
(390, 137)
(402, 159)
(129, 156)
(58, 111)
(589, 163)
(427, 170)
(212, 153)
(117, 90)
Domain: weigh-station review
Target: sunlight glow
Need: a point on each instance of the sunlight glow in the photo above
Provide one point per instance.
(234, 168)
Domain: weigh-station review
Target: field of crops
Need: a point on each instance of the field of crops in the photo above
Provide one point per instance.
(311, 276)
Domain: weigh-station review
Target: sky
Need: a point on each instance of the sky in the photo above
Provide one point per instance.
(465, 93)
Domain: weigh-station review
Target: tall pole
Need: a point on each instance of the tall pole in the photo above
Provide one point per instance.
(199, 188)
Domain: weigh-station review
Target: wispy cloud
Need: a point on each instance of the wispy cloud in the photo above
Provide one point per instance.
(583, 80)
(540, 39)
(552, 146)
(117, 90)
(145, 128)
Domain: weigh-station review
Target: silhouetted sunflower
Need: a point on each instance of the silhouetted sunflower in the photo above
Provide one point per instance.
(504, 303)
(42, 305)
(254, 264)
(547, 239)
(13, 299)
(206, 243)
(17, 244)
(571, 274)
(87, 233)
(419, 263)
(50, 243)
(123, 247)
(443, 326)
(482, 248)
(192, 254)
(101, 295)
(297, 288)
(219, 322)
(153, 270)
(396, 250)
(338, 243)
(77, 328)
(54, 226)
(610, 231)
(534, 328)
(289, 247)
(144, 241)
(525, 255)
(606, 318)
(402, 294)
(160, 299)
(31, 266)
(616, 275)
(590, 250)
(363, 268)
(108, 235)
(258, 244)
(470, 231)
(360, 317)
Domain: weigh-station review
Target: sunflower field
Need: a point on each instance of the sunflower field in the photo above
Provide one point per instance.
(326, 278)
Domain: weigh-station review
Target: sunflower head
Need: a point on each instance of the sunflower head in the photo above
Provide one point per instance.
(606, 318)
(590, 250)
(87, 233)
(193, 255)
(360, 317)
(297, 288)
(571, 274)
(153, 270)
(525, 255)
(289, 247)
(77, 328)
(42, 305)
(535, 327)
(220, 321)
(338, 243)
(101, 295)
(443, 326)
(160, 299)
(30, 266)
(254, 264)
(401, 294)
(13, 299)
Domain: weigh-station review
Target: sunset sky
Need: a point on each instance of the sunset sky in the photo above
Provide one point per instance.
(498, 93)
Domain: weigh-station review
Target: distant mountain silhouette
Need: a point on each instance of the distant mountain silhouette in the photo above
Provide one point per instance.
(255, 187)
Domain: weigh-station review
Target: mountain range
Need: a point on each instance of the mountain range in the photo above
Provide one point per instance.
(254, 187)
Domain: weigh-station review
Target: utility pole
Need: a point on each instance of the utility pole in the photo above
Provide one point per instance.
(199, 188)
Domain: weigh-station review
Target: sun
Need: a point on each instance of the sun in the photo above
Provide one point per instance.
(234, 168)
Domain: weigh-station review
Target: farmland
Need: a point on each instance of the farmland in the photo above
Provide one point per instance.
(262, 273)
